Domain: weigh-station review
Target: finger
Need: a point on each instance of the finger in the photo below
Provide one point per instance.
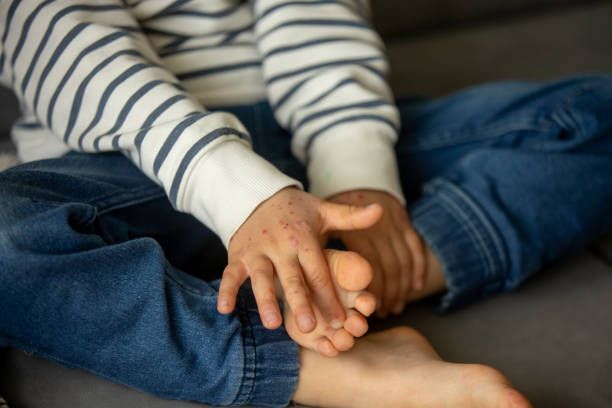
(296, 294)
(323, 292)
(402, 253)
(390, 271)
(233, 277)
(261, 272)
(419, 260)
(342, 217)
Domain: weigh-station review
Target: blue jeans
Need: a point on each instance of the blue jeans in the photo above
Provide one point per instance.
(98, 271)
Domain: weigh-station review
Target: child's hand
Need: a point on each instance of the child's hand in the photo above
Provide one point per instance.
(285, 235)
(392, 247)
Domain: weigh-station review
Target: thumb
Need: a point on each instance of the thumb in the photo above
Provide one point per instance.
(343, 217)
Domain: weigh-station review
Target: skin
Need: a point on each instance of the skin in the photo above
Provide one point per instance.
(283, 238)
(399, 368)
(393, 248)
(351, 275)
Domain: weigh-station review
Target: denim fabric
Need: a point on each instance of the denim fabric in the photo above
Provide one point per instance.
(98, 271)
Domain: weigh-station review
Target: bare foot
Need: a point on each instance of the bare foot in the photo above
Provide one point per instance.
(351, 274)
(399, 368)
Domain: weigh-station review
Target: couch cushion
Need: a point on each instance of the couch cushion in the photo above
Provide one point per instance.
(395, 18)
(556, 44)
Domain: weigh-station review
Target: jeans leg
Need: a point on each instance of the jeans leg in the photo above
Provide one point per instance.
(513, 175)
(83, 285)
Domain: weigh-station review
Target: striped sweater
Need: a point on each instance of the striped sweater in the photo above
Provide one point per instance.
(143, 77)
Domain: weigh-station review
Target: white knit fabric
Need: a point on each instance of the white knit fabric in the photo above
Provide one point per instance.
(145, 77)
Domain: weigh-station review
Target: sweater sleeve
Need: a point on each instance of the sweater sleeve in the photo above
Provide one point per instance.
(325, 70)
(86, 72)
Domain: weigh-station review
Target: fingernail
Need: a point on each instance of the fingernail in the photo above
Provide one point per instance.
(306, 321)
(336, 324)
(270, 318)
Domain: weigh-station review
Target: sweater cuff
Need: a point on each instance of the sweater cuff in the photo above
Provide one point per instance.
(228, 183)
(354, 157)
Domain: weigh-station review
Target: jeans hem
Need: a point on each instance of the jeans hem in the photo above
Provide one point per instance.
(465, 241)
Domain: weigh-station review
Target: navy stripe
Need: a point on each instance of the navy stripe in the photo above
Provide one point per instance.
(214, 70)
(25, 29)
(276, 7)
(288, 74)
(115, 143)
(283, 99)
(134, 69)
(173, 137)
(56, 55)
(306, 44)
(171, 52)
(167, 9)
(177, 42)
(368, 104)
(192, 152)
(28, 125)
(131, 102)
(206, 14)
(78, 97)
(146, 126)
(352, 118)
(339, 84)
(7, 28)
(43, 44)
(314, 23)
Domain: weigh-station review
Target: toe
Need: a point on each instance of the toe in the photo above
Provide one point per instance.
(342, 340)
(356, 324)
(325, 347)
(351, 270)
(365, 303)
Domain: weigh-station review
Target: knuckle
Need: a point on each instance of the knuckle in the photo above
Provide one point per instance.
(319, 281)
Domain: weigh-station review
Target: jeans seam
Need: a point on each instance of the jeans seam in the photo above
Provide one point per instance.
(117, 203)
(486, 224)
(491, 258)
(247, 384)
(182, 284)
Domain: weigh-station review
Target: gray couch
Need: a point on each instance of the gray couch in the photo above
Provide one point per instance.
(553, 336)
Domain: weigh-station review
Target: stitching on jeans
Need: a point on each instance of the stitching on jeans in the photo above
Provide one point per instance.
(470, 227)
(184, 285)
(247, 330)
(492, 234)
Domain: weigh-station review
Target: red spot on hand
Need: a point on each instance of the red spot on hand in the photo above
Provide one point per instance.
(294, 241)
(290, 203)
(291, 212)
(264, 231)
(360, 196)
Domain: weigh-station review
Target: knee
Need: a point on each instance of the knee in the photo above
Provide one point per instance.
(585, 113)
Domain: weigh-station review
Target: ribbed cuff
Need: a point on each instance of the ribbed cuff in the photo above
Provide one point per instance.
(272, 360)
(228, 183)
(360, 156)
(463, 239)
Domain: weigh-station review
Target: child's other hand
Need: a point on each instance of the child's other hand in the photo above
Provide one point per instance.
(393, 248)
(285, 235)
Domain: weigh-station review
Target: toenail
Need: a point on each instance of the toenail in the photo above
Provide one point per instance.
(306, 321)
